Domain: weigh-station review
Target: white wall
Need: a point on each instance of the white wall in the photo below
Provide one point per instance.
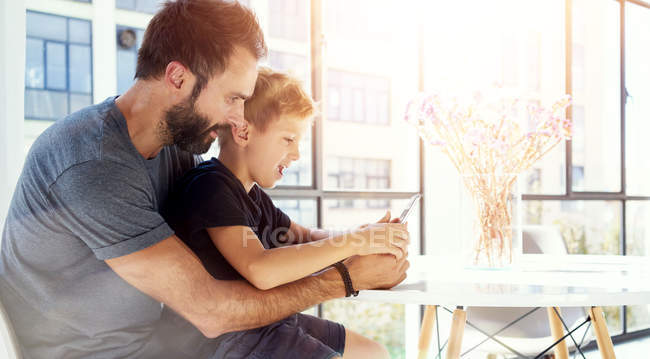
(12, 84)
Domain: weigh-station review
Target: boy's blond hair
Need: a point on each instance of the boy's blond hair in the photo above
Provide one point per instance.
(276, 94)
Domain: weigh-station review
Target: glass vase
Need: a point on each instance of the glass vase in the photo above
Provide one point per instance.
(491, 220)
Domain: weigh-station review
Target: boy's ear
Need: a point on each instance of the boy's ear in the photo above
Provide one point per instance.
(241, 133)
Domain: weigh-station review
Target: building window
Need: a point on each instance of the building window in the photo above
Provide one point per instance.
(358, 98)
(288, 19)
(301, 211)
(147, 6)
(129, 41)
(355, 173)
(58, 68)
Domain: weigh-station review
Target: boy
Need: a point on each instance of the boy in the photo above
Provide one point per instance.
(221, 213)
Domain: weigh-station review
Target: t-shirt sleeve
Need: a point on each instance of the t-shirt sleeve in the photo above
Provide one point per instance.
(208, 200)
(108, 206)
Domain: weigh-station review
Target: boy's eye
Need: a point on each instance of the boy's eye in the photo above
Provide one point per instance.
(289, 140)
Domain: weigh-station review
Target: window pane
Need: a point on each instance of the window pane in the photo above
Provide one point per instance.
(77, 102)
(34, 67)
(296, 65)
(139, 33)
(46, 104)
(372, 73)
(637, 109)
(362, 102)
(528, 63)
(596, 94)
(80, 69)
(148, 6)
(300, 172)
(79, 31)
(301, 211)
(126, 62)
(587, 227)
(56, 66)
(381, 322)
(127, 59)
(46, 26)
(637, 240)
(295, 29)
(384, 323)
(125, 4)
(638, 317)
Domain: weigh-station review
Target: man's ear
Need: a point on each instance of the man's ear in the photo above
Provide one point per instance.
(241, 133)
(178, 79)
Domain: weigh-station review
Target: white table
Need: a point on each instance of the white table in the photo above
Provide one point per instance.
(536, 281)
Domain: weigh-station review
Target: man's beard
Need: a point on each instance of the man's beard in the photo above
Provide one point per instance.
(186, 128)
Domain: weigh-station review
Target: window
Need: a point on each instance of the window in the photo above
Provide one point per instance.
(129, 41)
(593, 192)
(351, 173)
(596, 95)
(295, 30)
(58, 66)
(300, 211)
(358, 98)
(299, 173)
(147, 6)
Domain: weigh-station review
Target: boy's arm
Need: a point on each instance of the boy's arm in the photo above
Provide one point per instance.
(269, 268)
(300, 234)
(169, 272)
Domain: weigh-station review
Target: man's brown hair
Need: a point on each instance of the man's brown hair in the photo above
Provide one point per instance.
(200, 34)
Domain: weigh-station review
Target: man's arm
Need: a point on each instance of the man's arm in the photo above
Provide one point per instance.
(169, 272)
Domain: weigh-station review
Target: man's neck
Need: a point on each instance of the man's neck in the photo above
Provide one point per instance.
(236, 164)
(143, 111)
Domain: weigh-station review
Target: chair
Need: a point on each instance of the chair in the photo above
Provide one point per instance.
(533, 334)
(8, 337)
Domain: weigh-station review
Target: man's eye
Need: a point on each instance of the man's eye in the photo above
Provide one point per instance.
(289, 140)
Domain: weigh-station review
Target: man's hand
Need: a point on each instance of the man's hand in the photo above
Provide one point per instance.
(377, 271)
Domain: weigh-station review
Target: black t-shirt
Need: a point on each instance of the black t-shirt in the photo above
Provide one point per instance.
(210, 195)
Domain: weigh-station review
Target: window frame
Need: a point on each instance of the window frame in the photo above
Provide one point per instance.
(67, 43)
(317, 190)
(620, 196)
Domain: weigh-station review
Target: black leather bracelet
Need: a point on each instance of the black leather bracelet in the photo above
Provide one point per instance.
(349, 288)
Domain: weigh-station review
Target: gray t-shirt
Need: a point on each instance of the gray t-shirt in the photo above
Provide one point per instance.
(85, 195)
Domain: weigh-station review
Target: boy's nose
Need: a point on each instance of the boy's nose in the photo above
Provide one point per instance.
(295, 154)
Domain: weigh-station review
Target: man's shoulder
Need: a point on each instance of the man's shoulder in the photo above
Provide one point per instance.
(89, 136)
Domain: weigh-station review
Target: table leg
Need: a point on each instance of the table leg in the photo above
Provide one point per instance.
(603, 339)
(456, 333)
(426, 331)
(561, 351)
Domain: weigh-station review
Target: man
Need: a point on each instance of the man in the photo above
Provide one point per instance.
(86, 257)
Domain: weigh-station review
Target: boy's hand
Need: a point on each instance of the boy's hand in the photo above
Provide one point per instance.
(386, 219)
(380, 238)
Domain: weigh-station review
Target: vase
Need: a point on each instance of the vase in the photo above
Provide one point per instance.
(490, 220)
